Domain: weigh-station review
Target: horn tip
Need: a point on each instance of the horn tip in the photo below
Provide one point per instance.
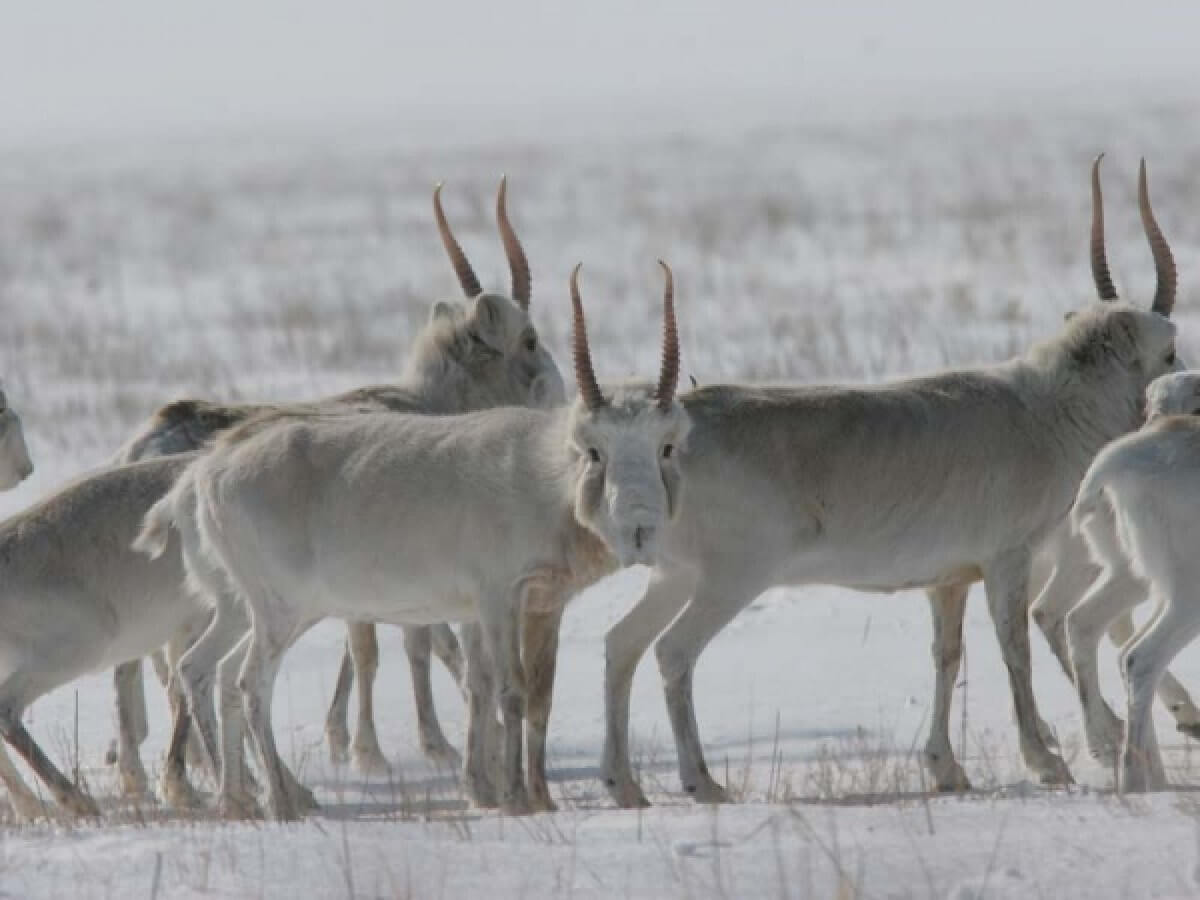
(575, 283)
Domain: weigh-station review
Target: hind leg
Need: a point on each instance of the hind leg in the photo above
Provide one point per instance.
(199, 671)
(1006, 580)
(337, 729)
(270, 638)
(158, 662)
(948, 604)
(27, 806)
(446, 648)
(131, 728)
(1057, 587)
(65, 793)
(1069, 580)
(196, 753)
(176, 788)
(364, 648)
(1143, 661)
(1173, 695)
(1113, 593)
(417, 646)
(257, 682)
(237, 787)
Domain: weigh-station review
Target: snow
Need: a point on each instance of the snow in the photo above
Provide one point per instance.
(846, 250)
(1053, 846)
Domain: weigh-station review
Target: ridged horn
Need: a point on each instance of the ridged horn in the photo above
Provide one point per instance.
(668, 378)
(458, 259)
(1164, 262)
(518, 264)
(585, 375)
(1100, 273)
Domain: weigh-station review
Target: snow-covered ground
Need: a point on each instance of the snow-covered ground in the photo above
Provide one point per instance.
(853, 249)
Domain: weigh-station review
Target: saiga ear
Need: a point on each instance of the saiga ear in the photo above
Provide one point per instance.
(442, 312)
(542, 393)
(1123, 335)
(487, 319)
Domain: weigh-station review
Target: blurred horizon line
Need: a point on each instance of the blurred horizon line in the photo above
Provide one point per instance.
(600, 116)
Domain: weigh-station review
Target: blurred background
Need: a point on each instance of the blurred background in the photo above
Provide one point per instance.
(78, 71)
(232, 200)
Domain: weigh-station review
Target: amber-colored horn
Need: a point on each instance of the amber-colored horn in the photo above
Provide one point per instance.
(1164, 262)
(518, 264)
(668, 379)
(458, 259)
(585, 375)
(1100, 273)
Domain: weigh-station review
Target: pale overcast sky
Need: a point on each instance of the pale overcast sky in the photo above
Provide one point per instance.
(87, 67)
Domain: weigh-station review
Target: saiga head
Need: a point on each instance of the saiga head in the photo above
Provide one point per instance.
(625, 446)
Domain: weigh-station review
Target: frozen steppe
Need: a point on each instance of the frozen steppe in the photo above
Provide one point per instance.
(852, 248)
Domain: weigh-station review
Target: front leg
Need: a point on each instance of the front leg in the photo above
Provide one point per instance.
(481, 703)
(500, 619)
(1007, 582)
(540, 621)
(624, 646)
(720, 595)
